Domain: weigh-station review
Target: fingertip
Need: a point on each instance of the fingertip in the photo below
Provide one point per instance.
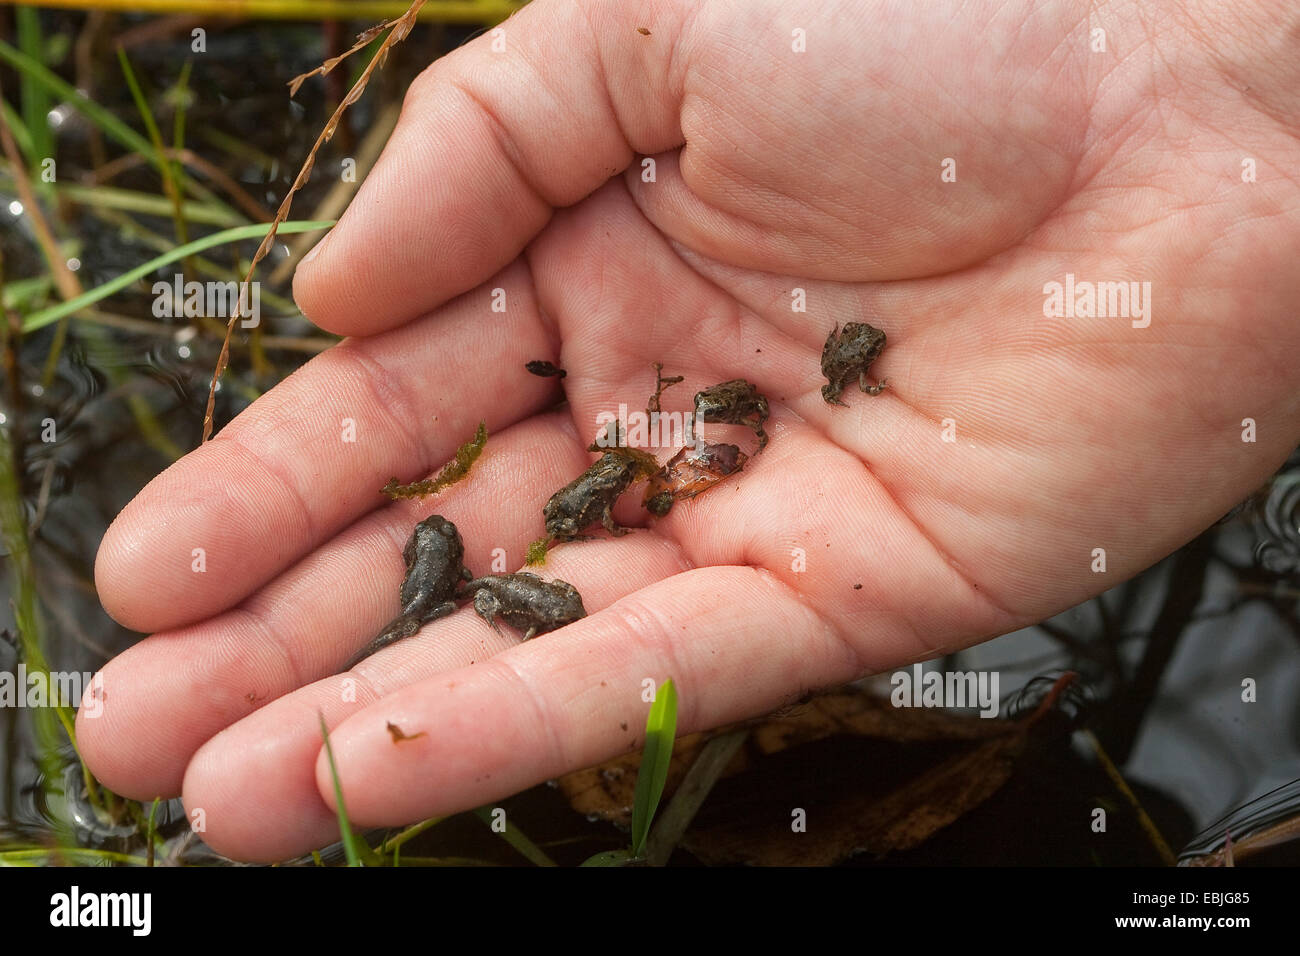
(383, 779)
(110, 713)
(325, 780)
(306, 280)
(131, 571)
(220, 817)
(223, 780)
(118, 552)
(325, 773)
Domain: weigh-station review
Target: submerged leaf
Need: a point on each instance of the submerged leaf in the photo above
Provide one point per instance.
(609, 858)
(874, 778)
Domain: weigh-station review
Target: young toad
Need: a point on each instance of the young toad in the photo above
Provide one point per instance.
(849, 353)
(434, 570)
(590, 497)
(736, 402)
(526, 602)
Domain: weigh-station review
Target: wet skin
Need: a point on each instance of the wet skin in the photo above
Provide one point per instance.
(848, 353)
(434, 570)
(525, 601)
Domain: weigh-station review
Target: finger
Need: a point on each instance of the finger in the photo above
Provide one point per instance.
(529, 117)
(180, 687)
(735, 641)
(268, 759)
(310, 456)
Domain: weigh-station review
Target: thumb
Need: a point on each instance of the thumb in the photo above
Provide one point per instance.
(533, 115)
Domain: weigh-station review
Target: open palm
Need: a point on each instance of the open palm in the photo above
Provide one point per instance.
(975, 495)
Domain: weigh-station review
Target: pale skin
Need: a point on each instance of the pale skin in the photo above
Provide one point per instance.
(818, 170)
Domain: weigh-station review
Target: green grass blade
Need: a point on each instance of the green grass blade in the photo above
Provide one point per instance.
(112, 127)
(35, 97)
(394, 843)
(351, 842)
(44, 317)
(149, 831)
(149, 204)
(20, 293)
(24, 602)
(516, 838)
(695, 787)
(80, 855)
(21, 135)
(660, 731)
(34, 71)
(172, 177)
(25, 606)
(146, 114)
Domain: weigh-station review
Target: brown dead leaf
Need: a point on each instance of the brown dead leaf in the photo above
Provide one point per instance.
(868, 777)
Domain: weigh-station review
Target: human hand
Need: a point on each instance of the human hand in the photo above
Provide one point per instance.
(775, 170)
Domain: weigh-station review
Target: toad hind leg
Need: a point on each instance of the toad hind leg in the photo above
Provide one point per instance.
(871, 389)
(442, 610)
(832, 395)
(607, 519)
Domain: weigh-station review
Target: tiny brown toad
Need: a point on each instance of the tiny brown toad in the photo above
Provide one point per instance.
(526, 601)
(736, 402)
(848, 353)
(591, 496)
(434, 571)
